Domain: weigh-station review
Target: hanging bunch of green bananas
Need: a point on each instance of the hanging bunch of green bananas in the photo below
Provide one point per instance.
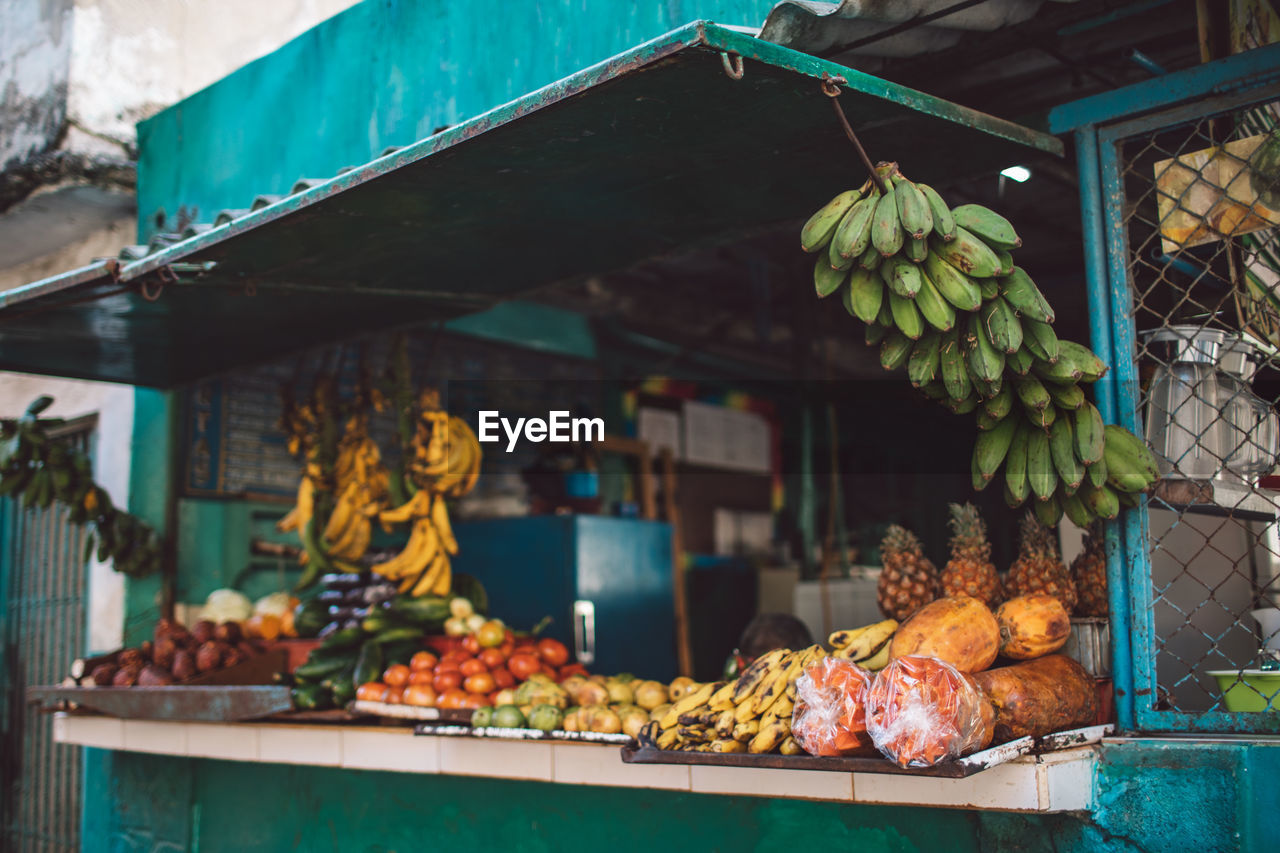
(941, 296)
(42, 470)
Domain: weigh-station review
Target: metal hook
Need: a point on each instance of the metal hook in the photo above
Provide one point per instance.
(831, 85)
(732, 65)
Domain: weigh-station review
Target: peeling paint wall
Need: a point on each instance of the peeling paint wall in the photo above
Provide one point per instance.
(35, 60)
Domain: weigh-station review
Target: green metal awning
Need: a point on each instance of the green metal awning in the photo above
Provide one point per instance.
(656, 149)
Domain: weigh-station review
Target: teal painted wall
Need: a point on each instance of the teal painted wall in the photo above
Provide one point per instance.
(1207, 798)
(382, 73)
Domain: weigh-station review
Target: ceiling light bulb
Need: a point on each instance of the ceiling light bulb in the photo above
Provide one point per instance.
(1017, 173)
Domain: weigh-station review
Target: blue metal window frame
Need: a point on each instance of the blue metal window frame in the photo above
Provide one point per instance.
(1100, 124)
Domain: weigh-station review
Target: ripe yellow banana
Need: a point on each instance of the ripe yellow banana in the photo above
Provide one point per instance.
(722, 699)
(790, 746)
(727, 746)
(297, 518)
(440, 518)
(744, 732)
(863, 642)
(749, 681)
(768, 739)
(422, 547)
(431, 580)
(688, 702)
(725, 724)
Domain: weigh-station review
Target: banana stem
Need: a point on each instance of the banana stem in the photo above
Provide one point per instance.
(831, 88)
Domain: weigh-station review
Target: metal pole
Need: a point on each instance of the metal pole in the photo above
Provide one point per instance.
(1098, 288)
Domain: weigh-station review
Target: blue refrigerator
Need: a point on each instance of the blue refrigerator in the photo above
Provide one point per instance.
(605, 582)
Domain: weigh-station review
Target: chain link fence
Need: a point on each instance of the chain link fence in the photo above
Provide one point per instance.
(1201, 205)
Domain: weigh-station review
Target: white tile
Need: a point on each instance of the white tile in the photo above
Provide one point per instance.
(596, 764)
(1070, 782)
(1011, 786)
(761, 782)
(102, 732)
(508, 759)
(390, 749)
(159, 736)
(222, 740)
(285, 744)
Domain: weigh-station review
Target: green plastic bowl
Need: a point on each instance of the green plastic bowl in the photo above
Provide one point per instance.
(1250, 689)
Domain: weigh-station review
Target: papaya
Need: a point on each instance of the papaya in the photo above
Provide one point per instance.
(1041, 696)
(1032, 626)
(959, 630)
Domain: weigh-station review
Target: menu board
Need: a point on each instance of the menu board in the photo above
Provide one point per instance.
(234, 446)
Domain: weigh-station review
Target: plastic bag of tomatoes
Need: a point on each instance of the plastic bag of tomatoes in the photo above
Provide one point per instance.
(830, 716)
(922, 711)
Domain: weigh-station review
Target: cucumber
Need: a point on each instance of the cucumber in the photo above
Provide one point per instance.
(429, 610)
(381, 620)
(340, 684)
(399, 634)
(317, 669)
(368, 664)
(310, 617)
(400, 652)
(311, 697)
(343, 638)
(344, 692)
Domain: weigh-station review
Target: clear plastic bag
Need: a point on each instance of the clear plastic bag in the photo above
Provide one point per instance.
(830, 716)
(922, 711)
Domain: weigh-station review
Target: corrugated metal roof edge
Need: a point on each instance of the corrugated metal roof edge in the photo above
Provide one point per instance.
(136, 262)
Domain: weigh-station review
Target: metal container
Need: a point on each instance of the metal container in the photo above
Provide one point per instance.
(1090, 644)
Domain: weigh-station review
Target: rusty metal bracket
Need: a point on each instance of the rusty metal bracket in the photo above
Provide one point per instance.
(157, 280)
(831, 88)
(733, 66)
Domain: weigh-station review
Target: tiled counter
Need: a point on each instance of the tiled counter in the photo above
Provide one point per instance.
(1055, 782)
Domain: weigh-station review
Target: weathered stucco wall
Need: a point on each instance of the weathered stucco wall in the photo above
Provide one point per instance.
(35, 61)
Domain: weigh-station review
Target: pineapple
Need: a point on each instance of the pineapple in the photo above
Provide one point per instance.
(909, 581)
(1089, 571)
(1038, 567)
(970, 570)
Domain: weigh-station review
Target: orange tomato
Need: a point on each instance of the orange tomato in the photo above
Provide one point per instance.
(492, 658)
(508, 647)
(420, 694)
(452, 699)
(472, 667)
(491, 634)
(449, 666)
(454, 655)
(395, 696)
(503, 678)
(397, 675)
(523, 665)
(470, 644)
(475, 700)
(481, 682)
(421, 676)
(553, 652)
(550, 672)
(423, 660)
(446, 681)
(372, 691)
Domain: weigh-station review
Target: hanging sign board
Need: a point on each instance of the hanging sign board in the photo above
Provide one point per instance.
(1219, 192)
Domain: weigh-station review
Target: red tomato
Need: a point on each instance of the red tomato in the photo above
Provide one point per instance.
(470, 644)
(446, 681)
(493, 697)
(503, 678)
(474, 700)
(423, 660)
(472, 667)
(397, 675)
(553, 652)
(492, 658)
(452, 699)
(395, 696)
(481, 682)
(421, 676)
(523, 665)
(550, 672)
(421, 695)
(454, 655)
(572, 669)
(448, 665)
(373, 691)
(508, 647)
